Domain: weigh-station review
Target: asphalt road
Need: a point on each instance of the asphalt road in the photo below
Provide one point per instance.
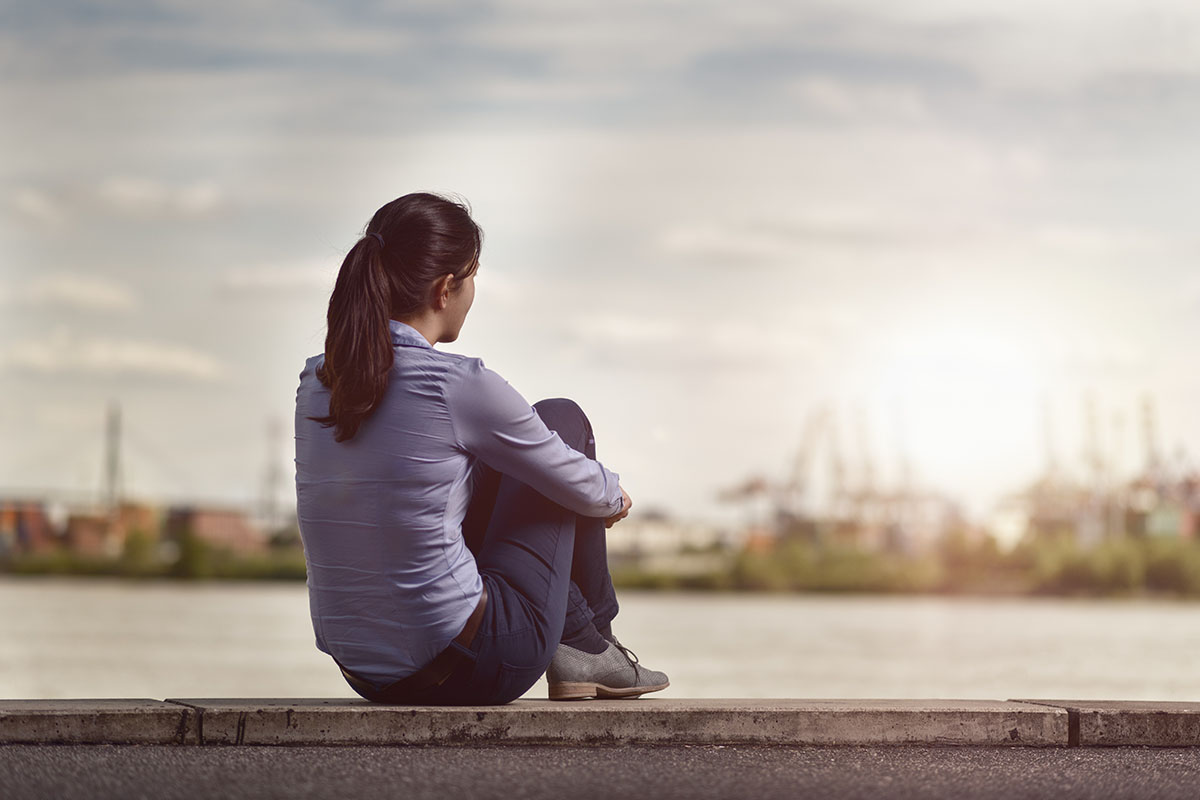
(511, 772)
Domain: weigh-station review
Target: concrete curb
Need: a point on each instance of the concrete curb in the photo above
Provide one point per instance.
(134, 721)
(306, 721)
(1106, 723)
(1087, 723)
(627, 722)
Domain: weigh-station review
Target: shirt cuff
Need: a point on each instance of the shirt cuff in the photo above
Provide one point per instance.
(618, 499)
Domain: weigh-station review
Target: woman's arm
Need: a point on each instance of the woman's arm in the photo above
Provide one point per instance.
(493, 421)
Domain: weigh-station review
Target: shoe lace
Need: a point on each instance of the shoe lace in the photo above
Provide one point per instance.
(629, 654)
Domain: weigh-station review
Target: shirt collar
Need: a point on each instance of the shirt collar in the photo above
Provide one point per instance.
(404, 334)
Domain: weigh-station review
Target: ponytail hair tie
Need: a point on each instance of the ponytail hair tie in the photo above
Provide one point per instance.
(377, 236)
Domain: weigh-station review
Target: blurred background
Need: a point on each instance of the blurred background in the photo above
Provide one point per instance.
(885, 313)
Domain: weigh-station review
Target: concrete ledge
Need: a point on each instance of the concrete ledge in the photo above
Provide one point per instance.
(96, 721)
(796, 722)
(1101, 723)
(951, 722)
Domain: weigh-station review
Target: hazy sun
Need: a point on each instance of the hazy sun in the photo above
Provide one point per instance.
(964, 396)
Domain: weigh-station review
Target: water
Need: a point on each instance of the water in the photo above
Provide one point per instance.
(62, 638)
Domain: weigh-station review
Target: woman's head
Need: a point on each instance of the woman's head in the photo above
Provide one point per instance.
(417, 257)
(420, 238)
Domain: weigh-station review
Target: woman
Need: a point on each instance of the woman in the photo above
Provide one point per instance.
(454, 535)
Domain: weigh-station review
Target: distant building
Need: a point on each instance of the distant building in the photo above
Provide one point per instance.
(219, 527)
(102, 534)
(1169, 520)
(88, 535)
(759, 540)
(24, 527)
(138, 517)
(906, 521)
(1148, 506)
(1008, 522)
(653, 533)
(1163, 509)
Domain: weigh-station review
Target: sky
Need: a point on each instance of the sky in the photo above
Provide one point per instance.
(953, 225)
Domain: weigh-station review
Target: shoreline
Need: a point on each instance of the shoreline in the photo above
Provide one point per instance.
(680, 589)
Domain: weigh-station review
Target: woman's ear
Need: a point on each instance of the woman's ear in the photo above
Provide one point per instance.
(441, 291)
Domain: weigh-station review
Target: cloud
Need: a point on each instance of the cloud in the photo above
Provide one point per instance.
(1088, 357)
(717, 243)
(272, 278)
(71, 291)
(842, 99)
(697, 346)
(37, 206)
(139, 196)
(625, 329)
(127, 196)
(64, 415)
(1100, 242)
(65, 353)
(780, 240)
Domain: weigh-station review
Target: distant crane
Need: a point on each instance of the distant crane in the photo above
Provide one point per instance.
(1049, 451)
(111, 490)
(792, 499)
(794, 496)
(272, 477)
(1093, 457)
(1154, 462)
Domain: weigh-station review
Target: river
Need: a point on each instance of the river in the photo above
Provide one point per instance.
(74, 638)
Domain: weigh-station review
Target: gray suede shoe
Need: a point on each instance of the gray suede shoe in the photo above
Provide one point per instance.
(576, 675)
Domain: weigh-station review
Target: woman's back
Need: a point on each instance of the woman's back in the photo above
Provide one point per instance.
(390, 578)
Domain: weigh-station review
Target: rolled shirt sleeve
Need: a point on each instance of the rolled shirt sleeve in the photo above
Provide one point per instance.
(494, 422)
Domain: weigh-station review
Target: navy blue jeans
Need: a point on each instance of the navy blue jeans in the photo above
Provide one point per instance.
(546, 572)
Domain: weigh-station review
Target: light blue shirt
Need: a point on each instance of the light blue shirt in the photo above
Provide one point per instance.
(390, 580)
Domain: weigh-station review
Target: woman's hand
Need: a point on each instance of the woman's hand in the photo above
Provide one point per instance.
(626, 504)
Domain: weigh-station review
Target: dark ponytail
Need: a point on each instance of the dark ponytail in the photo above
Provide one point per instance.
(409, 244)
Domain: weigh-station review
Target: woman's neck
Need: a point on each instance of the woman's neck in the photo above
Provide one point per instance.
(427, 324)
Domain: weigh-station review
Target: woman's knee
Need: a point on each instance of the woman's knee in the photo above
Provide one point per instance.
(565, 417)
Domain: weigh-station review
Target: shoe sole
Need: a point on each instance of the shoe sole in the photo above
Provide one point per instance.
(598, 691)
